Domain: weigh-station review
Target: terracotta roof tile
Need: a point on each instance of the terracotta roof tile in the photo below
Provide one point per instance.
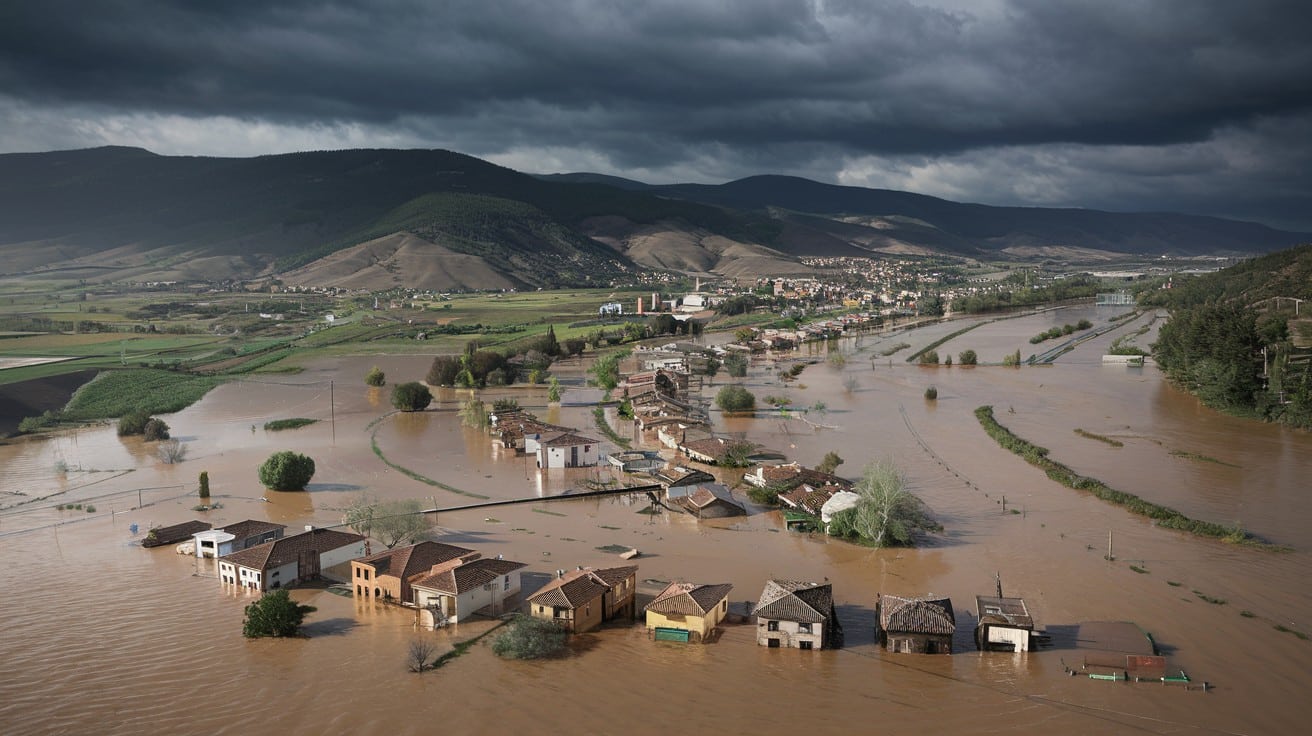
(284, 551)
(788, 600)
(689, 599)
(456, 577)
(403, 562)
(916, 615)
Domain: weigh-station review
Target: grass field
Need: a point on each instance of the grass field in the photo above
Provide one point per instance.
(115, 393)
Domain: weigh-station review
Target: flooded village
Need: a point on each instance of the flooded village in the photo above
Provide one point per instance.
(1026, 612)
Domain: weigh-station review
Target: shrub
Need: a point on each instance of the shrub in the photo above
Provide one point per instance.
(830, 463)
(412, 396)
(929, 358)
(931, 393)
(134, 422)
(204, 484)
(967, 357)
(504, 405)
(735, 399)
(526, 637)
(553, 393)
(735, 364)
(275, 614)
(375, 377)
(171, 452)
(155, 429)
(286, 471)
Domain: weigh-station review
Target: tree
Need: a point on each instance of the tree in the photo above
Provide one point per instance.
(390, 522)
(929, 358)
(526, 637)
(575, 346)
(155, 430)
(375, 377)
(886, 513)
(134, 422)
(606, 370)
(553, 391)
(420, 652)
(712, 367)
(968, 357)
(830, 463)
(412, 396)
(931, 394)
(444, 370)
(171, 452)
(735, 399)
(274, 614)
(204, 484)
(736, 365)
(736, 454)
(505, 404)
(286, 471)
(744, 335)
(473, 413)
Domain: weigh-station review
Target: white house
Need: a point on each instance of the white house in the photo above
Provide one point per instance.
(457, 588)
(567, 450)
(289, 560)
(235, 537)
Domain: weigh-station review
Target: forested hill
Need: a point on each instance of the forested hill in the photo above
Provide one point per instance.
(1286, 273)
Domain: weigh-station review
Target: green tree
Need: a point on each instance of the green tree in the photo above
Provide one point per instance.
(736, 454)
(736, 365)
(968, 357)
(886, 514)
(929, 358)
(375, 377)
(526, 637)
(204, 484)
(134, 422)
(931, 393)
(274, 614)
(829, 463)
(744, 335)
(735, 399)
(155, 430)
(712, 367)
(473, 413)
(412, 396)
(286, 471)
(606, 370)
(553, 390)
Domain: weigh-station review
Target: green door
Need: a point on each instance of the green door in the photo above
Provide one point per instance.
(664, 634)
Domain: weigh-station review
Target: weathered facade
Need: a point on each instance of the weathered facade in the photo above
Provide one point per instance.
(387, 574)
(290, 560)
(1003, 624)
(688, 607)
(797, 615)
(915, 625)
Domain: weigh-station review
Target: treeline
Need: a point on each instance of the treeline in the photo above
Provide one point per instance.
(1238, 362)
(1075, 287)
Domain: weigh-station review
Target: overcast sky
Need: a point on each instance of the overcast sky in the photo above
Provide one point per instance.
(1200, 106)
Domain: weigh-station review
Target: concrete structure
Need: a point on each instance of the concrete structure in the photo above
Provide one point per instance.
(709, 501)
(915, 625)
(388, 574)
(799, 615)
(567, 450)
(1003, 624)
(235, 537)
(688, 607)
(582, 599)
(457, 588)
(289, 560)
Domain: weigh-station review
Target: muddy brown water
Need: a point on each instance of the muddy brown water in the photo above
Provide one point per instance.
(102, 636)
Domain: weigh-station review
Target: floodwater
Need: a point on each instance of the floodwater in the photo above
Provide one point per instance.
(102, 636)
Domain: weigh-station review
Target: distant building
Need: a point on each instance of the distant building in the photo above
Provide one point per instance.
(611, 309)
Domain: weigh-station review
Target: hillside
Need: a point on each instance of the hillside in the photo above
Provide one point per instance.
(437, 217)
(1286, 273)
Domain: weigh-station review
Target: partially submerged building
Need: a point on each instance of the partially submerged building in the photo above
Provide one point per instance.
(467, 585)
(915, 625)
(388, 574)
(687, 611)
(1003, 624)
(793, 614)
(235, 537)
(289, 560)
(582, 599)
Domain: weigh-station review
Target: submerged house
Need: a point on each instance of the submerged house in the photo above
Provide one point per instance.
(387, 574)
(797, 615)
(462, 586)
(687, 611)
(289, 560)
(236, 537)
(915, 625)
(709, 501)
(1004, 624)
(582, 599)
(567, 450)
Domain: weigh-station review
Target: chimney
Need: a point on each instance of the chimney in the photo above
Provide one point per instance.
(309, 527)
(560, 573)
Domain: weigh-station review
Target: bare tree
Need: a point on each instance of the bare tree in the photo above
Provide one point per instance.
(390, 522)
(172, 451)
(420, 655)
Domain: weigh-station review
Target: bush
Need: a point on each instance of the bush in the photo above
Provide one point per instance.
(735, 399)
(931, 393)
(526, 637)
(275, 614)
(286, 471)
(155, 429)
(134, 422)
(412, 396)
(375, 377)
(929, 358)
(967, 357)
(735, 364)
(204, 484)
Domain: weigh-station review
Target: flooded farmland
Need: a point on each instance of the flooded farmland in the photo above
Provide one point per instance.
(102, 636)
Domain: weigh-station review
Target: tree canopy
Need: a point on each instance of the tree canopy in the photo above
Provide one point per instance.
(526, 637)
(887, 514)
(286, 471)
(390, 522)
(412, 396)
(274, 614)
(735, 399)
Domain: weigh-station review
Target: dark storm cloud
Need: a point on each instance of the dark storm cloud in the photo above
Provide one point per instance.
(712, 87)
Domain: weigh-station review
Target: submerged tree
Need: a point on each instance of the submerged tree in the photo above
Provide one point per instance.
(390, 522)
(886, 514)
(412, 396)
(830, 463)
(286, 471)
(275, 614)
(375, 377)
(526, 637)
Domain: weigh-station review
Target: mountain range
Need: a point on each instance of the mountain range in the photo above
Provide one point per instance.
(442, 220)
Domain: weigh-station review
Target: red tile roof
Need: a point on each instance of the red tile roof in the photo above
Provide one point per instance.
(456, 577)
(689, 599)
(916, 615)
(286, 550)
(404, 562)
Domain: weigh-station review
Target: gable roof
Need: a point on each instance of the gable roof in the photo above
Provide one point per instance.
(568, 439)
(250, 528)
(689, 599)
(457, 576)
(677, 475)
(406, 561)
(577, 587)
(916, 615)
(789, 600)
(1007, 611)
(286, 550)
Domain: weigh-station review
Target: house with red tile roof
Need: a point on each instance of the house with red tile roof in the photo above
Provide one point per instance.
(463, 586)
(687, 611)
(798, 615)
(387, 574)
(582, 599)
(917, 625)
(289, 560)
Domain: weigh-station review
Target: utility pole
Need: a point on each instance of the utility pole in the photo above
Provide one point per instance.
(1110, 556)
(332, 412)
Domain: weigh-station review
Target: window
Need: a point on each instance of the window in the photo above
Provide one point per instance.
(507, 583)
(804, 644)
(772, 626)
(804, 628)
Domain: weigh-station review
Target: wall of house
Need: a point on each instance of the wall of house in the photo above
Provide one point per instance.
(917, 643)
(1017, 638)
(342, 554)
(697, 624)
(281, 576)
(586, 617)
(620, 602)
(368, 584)
(789, 634)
